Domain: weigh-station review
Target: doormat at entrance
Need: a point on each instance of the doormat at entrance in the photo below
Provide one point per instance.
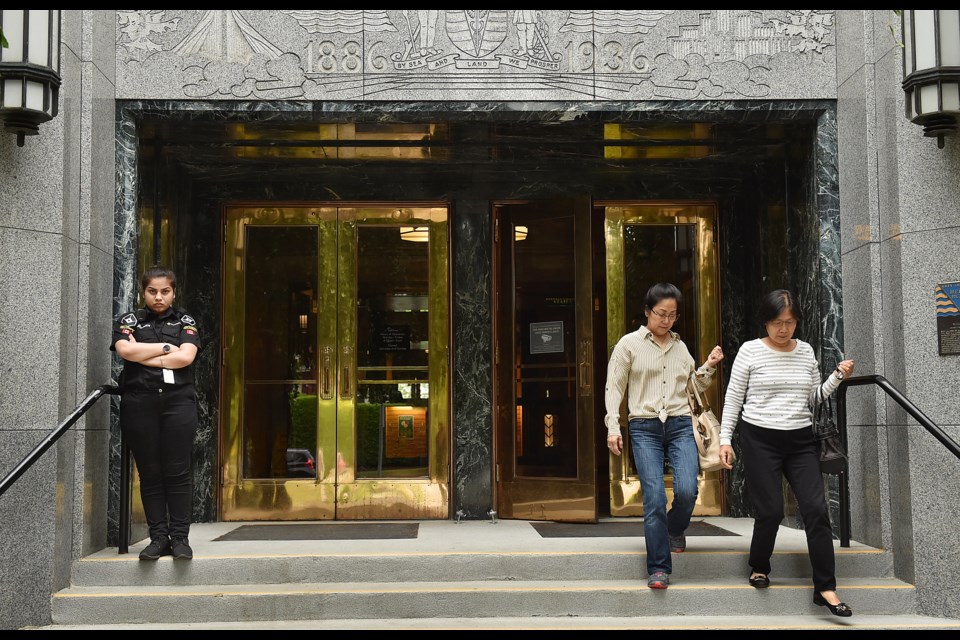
(324, 531)
(616, 529)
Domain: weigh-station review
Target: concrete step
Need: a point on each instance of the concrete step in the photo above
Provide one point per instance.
(471, 599)
(110, 569)
(791, 622)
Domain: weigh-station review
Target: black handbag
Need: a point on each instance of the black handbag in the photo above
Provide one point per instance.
(833, 455)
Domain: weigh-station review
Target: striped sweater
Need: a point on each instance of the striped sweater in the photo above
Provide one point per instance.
(774, 389)
(652, 377)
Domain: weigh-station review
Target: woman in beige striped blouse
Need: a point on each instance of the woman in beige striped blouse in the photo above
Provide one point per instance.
(653, 365)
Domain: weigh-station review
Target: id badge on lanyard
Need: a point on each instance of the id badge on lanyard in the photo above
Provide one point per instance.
(167, 373)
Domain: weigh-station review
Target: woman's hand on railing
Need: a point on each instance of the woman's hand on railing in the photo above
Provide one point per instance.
(845, 369)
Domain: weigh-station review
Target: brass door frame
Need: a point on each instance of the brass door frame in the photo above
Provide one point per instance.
(562, 499)
(336, 493)
(377, 498)
(625, 494)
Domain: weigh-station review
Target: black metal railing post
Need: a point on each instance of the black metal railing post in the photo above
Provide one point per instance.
(123, 532)
(908, 406)
(844, 488)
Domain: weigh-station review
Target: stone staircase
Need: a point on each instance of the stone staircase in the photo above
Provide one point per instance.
(475, 574)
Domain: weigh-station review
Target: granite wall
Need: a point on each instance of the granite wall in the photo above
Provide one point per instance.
(56, 248)
(901, 200)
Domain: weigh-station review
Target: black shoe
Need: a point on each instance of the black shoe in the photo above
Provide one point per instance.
(841, 609)
(678, 544)
(759, 582)
(159, 546)
(181, 549)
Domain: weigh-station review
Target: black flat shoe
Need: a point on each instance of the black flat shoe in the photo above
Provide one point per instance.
(841, 609)
(759, 582)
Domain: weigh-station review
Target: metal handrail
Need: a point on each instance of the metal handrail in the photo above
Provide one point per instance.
(53, 436)
(908, 406)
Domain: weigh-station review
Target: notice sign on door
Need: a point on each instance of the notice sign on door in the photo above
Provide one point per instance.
(393, 338)
(546, 337)
(947, 295)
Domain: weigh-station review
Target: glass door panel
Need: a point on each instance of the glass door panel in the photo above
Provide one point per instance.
(648, 243)
(280, 376)
(544, 349)
(544, 381)
(393, 369)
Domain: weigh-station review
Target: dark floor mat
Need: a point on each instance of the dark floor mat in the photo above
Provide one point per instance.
(325, 531)
(616, 529)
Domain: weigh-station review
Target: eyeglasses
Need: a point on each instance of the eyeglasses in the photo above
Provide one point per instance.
(780, 324)
(672, 317)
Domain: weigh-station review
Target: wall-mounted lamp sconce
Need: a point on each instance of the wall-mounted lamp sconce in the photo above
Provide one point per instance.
(29, 69)
(931, 69)
(520, 233)
(303, 322)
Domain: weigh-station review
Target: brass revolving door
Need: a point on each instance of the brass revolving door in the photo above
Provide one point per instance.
(335, 362)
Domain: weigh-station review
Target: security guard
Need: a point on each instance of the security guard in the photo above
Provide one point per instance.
(158, 410)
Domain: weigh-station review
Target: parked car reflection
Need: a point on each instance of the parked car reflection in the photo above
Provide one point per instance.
(301, 464)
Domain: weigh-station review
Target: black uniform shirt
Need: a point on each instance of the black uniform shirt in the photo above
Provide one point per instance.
(175, 326)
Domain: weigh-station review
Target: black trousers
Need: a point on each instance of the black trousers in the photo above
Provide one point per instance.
(768, 455)
(159, 428)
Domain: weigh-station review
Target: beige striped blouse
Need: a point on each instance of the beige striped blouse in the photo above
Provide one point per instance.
(653, 377)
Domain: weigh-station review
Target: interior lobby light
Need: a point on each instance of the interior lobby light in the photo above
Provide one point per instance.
(422, 234)
(29, 69)
(415, 234)
(931, 69)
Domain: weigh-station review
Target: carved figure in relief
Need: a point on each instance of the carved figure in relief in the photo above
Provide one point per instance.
(421, 40)
(428, 31)
(526, 22)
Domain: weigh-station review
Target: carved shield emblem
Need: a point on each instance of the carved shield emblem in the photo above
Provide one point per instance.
(477, 33)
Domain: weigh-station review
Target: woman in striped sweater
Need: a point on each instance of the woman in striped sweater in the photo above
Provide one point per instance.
(775, 383)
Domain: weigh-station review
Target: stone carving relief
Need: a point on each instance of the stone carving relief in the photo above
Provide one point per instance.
(137, 32)
(476, 54)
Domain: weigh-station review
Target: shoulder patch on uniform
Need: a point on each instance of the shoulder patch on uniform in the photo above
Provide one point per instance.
(187, 319)
(129, 319)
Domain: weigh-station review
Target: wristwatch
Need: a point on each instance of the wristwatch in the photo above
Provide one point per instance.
(839, 374)
(166, 348)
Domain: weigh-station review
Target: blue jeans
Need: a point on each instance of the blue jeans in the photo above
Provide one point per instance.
(651, 441)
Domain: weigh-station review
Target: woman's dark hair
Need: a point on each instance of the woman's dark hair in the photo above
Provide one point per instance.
(773, 305)
(158, 271)
(662, 291)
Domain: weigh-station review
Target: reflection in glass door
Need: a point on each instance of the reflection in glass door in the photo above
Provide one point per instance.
(335, 363)
(662, 242)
